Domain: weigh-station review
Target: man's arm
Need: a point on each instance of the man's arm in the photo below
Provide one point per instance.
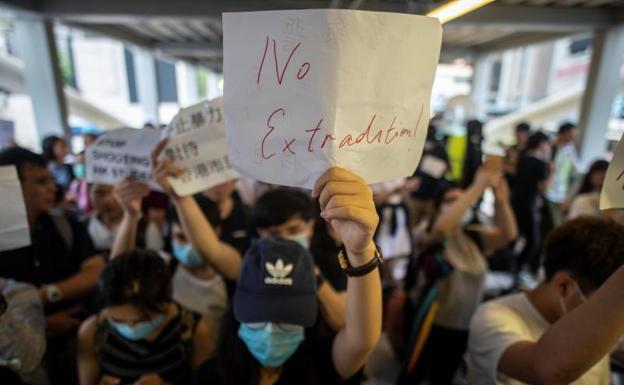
(333, 305)
(84, 281)
(505, 228)
(129, 193)
(575, 343)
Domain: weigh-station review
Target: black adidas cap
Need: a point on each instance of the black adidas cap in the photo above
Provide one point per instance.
(276, 284)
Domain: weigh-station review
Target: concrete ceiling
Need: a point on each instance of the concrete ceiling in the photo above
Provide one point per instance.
(191, 29)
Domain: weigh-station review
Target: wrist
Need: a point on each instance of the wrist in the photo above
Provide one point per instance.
(361, 257)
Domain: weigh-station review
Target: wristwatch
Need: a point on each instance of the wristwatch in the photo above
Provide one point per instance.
(53, 293)
(360, 270)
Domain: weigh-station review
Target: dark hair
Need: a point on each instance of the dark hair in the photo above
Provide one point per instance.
(47, 146)
(590, 248)
(207, 207)
(536, 139)
(442, 188)
(139, 278)
(523, 127)
(598, 166)
(277, 206)
(238, 366)
(566, 127)
(20, 157)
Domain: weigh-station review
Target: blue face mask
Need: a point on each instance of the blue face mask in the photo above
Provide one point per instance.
(271, 345)
(185, 254)
(302, 239)
(138, 331)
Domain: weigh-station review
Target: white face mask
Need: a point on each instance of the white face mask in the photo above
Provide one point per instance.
(302, 239)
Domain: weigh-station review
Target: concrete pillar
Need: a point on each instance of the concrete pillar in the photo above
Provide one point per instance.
(539, 63)
(602, 87)
(188, 90)
(480, 90)
(44, 83)
(147, 84)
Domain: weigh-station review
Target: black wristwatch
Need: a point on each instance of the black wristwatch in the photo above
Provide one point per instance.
(360, 270)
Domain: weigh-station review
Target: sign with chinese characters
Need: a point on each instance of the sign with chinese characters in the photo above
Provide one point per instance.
(122, 153)
(308, 89)
(14, 230)
(612, 194)
(197, 142)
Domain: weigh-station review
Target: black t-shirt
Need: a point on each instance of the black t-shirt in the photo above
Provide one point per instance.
(49, 258)
(326, 258)
(236, 229)
(530, 172)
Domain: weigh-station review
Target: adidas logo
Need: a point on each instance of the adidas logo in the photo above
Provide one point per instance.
(278, 273)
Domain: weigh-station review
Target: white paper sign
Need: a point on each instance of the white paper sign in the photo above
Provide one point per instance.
(308, 89)
(197, 142)
(122, 153)
(14, 230)
(612, 194)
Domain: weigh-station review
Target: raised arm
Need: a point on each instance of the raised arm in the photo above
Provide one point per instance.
(224, 258)
(130, 194)
(586, 335)
(505, 228)
(347, 204)
(447, 220)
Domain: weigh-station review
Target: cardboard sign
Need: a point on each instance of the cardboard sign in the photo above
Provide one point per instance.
(612, 194)
(14, 230)
(122, 153)
(308, 89)
(197, 142)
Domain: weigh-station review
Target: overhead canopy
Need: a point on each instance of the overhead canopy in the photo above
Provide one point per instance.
(191, 29)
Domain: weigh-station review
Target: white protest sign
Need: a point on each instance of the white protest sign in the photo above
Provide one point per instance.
(308, 89)
(612, 194)
(14, 230)
(197, 142)
(122, 153)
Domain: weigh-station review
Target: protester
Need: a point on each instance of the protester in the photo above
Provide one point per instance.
(141, 336)
(61, 261)
(530, 182)
(474, 154)
(22, 332)
(195, 283)
(587, 199)
(464, 249)
(78, 192)
(55, 152)
(103, 224)
(562, 331)
(515, 152)
(565, 170)
(275, 335)
(289, 214)
(235, 215)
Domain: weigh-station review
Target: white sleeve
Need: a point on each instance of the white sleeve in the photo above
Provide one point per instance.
(494, 328)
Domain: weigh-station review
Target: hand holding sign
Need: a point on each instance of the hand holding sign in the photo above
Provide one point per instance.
(309, 89)
(197, 142)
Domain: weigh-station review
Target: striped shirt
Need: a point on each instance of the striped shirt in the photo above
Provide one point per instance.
(169, 355)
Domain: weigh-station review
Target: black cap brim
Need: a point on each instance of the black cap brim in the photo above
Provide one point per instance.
(292, 309)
